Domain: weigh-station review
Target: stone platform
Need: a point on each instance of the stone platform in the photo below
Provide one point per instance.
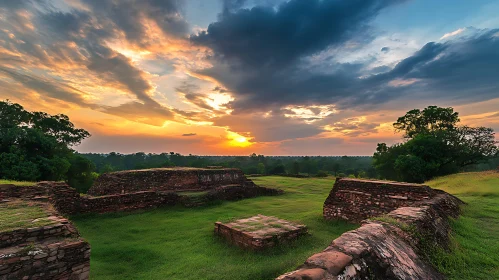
(259, 232)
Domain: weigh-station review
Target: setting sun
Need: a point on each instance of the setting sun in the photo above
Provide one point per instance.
(237, 140)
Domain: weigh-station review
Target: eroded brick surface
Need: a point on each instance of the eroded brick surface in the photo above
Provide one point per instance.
(52, 251)
(259, 232)
(386, 248)
(165, 179)
(354, 199)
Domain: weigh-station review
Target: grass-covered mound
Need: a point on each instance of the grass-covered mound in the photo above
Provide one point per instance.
(475, 252)
(21, 214)
(17, 183)
(179, 243)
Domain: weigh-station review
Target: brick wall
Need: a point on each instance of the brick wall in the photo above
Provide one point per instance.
(387, 250)
(165, 179)
(8, 191)
(66, 259)
(54, 251)
(355, 199)
(68, 201)
(60, 228)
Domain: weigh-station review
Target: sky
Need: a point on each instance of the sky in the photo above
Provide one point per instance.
(235, 77)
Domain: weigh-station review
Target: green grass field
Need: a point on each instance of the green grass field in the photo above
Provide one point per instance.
(475, 253)
(178, 243)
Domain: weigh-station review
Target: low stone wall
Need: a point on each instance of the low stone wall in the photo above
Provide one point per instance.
(53, 251)
(391, 247)
(354, 200)
(25, 236)
(9, 191)
(165, 179)
(66, 259)
(68, 201)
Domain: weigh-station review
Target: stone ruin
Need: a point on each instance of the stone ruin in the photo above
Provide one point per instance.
(48, 247)
(259, 232)
(399, 222)
(167, 179)
(56, 251)
(355, 200)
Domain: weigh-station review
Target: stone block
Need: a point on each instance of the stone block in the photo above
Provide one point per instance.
(259, 232)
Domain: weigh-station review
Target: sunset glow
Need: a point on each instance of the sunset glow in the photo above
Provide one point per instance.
(220, 77)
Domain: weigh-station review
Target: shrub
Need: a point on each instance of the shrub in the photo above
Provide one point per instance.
(322, 174)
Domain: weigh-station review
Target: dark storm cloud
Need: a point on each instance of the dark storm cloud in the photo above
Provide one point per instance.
(385, 49)
(463, 70)
(259, 52)
(262, 56)
(264, 36)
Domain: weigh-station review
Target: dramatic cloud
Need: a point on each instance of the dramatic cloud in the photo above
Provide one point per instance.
(276, 76)
(263, 56)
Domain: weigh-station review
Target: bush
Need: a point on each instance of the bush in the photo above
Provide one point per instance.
(322, 174)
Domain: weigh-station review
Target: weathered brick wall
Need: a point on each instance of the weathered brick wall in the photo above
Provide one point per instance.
(60, 228)
(386, 250)
(355, 199)
(9, 191)
(165, 179)
(68, 201)
(53, 251)
(67, 259)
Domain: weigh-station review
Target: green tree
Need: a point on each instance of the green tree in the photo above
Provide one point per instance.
(435, 145)
(260, 168)
(429, 120)
(35, 145)
(295, 168)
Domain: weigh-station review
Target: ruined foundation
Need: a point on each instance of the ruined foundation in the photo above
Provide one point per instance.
(166, 179)
(259, 232)
(405, 220)
(48, 247)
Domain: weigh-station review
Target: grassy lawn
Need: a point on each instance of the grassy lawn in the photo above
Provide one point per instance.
(21, 214)
(178, 243)
(475, 252)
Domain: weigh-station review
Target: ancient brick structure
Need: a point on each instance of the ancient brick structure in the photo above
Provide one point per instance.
(355, 199)
(9, 191)
(386, 247)
(60, 229)
(166, 179)
(68, 201)
(64, 259)
(52, 251)
(259, 232)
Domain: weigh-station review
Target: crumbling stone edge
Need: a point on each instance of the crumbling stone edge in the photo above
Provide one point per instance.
(391, 246)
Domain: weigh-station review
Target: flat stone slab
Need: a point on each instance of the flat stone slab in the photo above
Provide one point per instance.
(259, 232)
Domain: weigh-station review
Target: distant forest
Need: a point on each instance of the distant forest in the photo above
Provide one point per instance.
(342, 166)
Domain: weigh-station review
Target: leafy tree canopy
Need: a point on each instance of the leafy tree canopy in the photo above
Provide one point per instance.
(429, 120)
(436, 145)
(37, 146)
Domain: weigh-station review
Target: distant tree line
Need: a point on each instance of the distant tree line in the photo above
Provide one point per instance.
(36, 146)
(252, 164)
